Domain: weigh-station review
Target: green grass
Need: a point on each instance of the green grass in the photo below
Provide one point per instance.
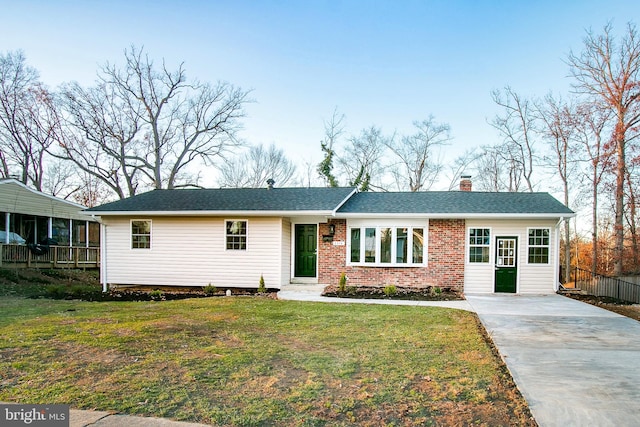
(256, 361)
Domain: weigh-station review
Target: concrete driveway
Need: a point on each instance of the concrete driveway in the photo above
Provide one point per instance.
(575, 364)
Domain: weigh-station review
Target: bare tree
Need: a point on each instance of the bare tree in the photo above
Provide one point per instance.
(146, 126)
(362, 159)
(60, 178)
(516, 125)
(28, 120)
(558, 119)
(256, 167)
(420, 165)
(103, 136)
(461, 165)
(610, 72)
(590, 126)
(496, 171)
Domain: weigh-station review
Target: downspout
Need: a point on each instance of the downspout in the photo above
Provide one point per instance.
(556, 258)
(103, 257)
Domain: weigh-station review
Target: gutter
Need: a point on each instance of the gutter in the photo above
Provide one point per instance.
(454, 215)
(244, 213)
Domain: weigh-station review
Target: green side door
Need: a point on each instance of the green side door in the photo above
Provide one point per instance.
(306, 238)
(506, 268)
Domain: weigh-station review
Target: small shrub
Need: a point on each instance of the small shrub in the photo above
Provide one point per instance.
(55, 292)
(262, 288)
(436, 291)
(352, 290)
(390, 290)
(342, 284)
(156, 294)
(210, 289)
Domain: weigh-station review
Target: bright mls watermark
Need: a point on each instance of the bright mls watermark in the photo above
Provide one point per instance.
(34, 415)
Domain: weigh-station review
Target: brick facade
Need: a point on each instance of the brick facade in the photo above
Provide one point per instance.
(445, 265)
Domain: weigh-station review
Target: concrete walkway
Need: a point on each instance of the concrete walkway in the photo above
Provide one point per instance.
(575, 364)
(79, 418)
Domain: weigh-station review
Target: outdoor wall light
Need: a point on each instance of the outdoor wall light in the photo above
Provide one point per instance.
(332, 232)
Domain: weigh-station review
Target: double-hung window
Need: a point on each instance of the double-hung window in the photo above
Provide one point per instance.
(479, 245)
(141, 234)
(236, 235)
(386, 246)
(538, 245)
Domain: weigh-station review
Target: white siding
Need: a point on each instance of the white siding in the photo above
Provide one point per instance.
(532, 278)
(191, 252)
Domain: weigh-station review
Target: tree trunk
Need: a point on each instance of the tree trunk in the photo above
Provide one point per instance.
(619, 201)
(567, 237)
(594, 219)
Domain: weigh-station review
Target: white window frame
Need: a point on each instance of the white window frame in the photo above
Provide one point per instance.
(246, 236)
(469, 245)
(131, 234)
(548, 246)
(394, 239)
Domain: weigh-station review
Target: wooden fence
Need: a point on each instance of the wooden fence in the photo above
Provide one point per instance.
(20, 256)
(603, 286)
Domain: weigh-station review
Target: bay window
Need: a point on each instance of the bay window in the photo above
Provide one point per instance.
(386, 246)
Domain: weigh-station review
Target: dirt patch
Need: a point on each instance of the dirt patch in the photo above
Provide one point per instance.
(625, 309)
(394, 293)
(31, 276)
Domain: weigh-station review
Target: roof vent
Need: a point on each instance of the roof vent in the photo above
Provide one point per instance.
(270, 183)
(465, 183)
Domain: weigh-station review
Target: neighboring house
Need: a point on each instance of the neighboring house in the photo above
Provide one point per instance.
(474, 242)
(30, 217)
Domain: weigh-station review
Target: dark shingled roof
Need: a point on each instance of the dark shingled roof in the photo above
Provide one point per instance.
(453, 202)
(328, 199)
(230, 199)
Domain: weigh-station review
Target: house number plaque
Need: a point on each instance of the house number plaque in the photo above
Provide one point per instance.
(338, 243)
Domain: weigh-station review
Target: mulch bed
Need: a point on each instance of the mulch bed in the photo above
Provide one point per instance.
(398, 293)
(159, 295)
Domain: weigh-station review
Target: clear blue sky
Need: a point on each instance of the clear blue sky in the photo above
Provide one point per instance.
(386, 63)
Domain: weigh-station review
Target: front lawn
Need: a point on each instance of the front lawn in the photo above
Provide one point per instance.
(257, 361)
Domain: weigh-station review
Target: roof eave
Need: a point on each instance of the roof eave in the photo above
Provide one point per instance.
(550, 215)
(211, 213)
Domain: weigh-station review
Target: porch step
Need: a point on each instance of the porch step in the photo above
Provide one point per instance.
(303, 287)
(300, 289)
(569, 290)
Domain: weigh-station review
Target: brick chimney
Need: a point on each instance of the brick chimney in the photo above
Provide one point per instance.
(465, 183)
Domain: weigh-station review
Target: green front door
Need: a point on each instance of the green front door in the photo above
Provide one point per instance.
(306, 236)
(506, 264)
